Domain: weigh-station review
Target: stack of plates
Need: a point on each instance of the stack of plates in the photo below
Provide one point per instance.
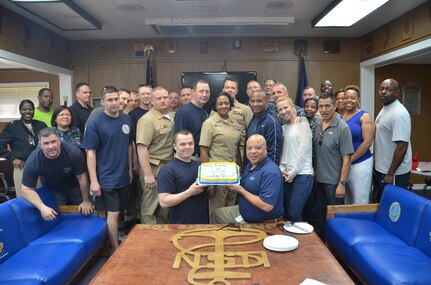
(299, 228)
(280, 243)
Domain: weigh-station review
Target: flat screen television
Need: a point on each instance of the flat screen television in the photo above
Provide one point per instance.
(215, 80)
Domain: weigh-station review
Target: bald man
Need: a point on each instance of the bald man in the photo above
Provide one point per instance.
(260, 192)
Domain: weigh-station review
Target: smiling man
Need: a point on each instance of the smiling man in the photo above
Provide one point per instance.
(264, 124)
(332, 148)
(260, 196)
(192, 115)
(107, 141)
(178, 188)
(61, 168)
(154, 145)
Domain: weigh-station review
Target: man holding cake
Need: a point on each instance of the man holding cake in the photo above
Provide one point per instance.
(177, 185)
(260, 191)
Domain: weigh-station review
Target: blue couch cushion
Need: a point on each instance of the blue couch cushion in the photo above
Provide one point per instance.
(30, 221)
(343, 233)
(90, 231)
(369, 216)
(423, 241)
(382, 264)
(50, 263)
(400, 213)
(22, 281)
(11, 239)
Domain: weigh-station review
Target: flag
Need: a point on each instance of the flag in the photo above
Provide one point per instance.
(303, 82)
(149, 76)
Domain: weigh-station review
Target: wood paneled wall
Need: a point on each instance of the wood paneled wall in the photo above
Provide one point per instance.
(412, 27)
(37, 46)
(112, 62)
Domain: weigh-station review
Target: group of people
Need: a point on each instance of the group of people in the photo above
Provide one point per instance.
(144, 148)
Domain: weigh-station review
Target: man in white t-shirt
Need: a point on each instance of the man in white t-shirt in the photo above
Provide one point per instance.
(393, 153)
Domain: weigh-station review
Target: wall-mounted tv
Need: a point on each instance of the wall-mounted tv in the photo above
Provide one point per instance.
(215, 80)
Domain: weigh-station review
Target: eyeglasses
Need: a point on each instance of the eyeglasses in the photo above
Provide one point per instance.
(320, 139)
(232, 227)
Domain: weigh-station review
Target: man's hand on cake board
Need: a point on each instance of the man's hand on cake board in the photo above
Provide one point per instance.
(236, 188)
(196, 189)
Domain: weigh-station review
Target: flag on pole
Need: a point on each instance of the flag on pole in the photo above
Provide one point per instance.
(303, 82)
(149, 76)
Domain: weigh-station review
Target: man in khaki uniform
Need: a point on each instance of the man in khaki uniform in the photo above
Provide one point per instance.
(154, 137)
(241, 113)
(219, 141)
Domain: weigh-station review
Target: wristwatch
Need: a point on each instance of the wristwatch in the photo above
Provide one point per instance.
(343, 182)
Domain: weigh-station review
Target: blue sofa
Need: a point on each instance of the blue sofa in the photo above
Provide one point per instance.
(389, 246)
(34, 251)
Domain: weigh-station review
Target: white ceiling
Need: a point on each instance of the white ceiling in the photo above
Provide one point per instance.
(142, 18)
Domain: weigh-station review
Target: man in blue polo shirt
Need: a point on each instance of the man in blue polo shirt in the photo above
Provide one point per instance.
(261, 189)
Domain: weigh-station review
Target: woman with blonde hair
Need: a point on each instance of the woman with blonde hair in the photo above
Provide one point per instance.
(296, 159)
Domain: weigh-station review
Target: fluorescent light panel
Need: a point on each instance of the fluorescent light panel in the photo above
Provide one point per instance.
(345, 13)
(69, 16)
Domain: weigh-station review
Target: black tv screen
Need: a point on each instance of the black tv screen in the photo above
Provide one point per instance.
(215, 80)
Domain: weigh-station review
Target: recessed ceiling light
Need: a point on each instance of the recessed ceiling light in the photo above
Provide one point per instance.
(279, 5)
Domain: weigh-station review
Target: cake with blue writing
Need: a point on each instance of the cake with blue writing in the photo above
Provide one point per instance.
(218, 173)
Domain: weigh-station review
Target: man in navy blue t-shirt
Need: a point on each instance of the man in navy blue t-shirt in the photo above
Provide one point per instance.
(61, 168)
(177, 185)
(192, 115)
(107, 140)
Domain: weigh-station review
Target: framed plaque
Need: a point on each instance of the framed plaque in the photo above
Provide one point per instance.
(412, 98)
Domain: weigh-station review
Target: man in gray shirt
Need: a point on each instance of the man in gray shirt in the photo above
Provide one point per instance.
(332, 148)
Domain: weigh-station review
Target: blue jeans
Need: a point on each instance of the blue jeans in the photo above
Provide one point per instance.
(295, 195)
(325, 195)
(68, 197)
(400, 181)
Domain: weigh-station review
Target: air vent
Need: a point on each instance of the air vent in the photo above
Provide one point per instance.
(259, 29)
(174, 30)
(213, 29)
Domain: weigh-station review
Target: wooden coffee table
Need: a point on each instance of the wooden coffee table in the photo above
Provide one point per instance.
(147, 256)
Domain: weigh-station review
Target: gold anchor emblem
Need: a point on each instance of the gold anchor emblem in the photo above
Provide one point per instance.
(218, 257)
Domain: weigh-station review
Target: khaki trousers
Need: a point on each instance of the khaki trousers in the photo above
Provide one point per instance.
(223, 197)
(151, 212)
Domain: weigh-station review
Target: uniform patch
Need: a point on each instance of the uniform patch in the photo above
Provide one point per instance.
(67, 169)
(125, 128)
(394, 211)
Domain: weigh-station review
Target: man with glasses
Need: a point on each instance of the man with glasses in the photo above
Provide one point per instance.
(81, 109)
(154, 138)
(267, 87)
(192, 115)
(332, 147)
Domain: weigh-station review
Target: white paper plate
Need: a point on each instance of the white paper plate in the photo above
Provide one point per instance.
(299, 228)
(280, 243)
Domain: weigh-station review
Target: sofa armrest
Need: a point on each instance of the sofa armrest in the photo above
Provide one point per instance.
(359, 208)
(75, 209)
